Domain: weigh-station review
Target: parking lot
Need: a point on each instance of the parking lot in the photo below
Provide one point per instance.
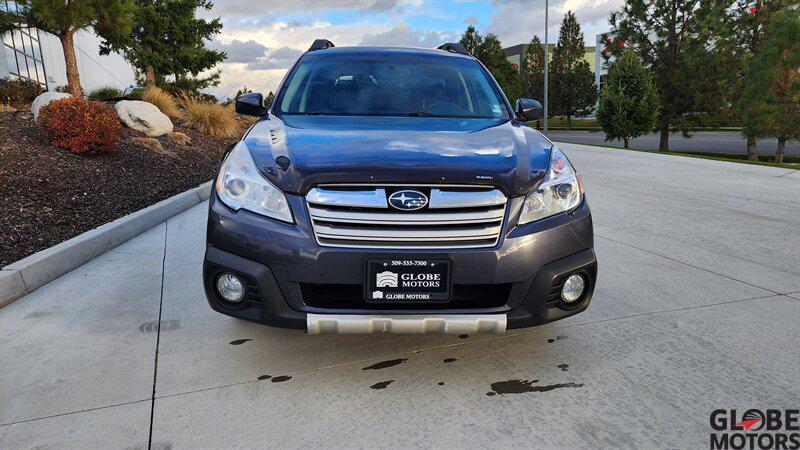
(697, 307)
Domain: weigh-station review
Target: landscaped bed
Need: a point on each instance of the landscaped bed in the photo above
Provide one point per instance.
(50, 195)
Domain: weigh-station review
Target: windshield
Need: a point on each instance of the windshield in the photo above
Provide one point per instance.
(390, 84)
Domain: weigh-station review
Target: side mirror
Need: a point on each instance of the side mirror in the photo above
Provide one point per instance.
(251, 104)
(529, 109)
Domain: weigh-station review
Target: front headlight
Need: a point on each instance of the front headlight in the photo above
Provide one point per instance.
(241, 186)
(559, 191)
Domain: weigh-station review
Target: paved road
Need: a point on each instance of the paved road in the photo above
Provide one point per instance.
(696, 308)
(705, 142)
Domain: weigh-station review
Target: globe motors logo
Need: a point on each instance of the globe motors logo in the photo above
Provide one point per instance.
(755, 429)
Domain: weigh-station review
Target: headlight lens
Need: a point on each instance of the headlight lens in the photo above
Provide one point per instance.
(241, 186)
(559, 191)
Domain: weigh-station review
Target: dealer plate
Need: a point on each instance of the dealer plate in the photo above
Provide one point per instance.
(407, 280)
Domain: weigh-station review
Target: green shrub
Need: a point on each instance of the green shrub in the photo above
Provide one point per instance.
(105, 93)
(18, 91)
(80, 126)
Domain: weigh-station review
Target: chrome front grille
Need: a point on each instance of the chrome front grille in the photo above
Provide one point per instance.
(456, 217)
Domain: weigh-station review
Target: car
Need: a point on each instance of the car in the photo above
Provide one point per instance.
(390, 189)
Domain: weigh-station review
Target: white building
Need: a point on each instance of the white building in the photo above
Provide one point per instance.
(38, 56)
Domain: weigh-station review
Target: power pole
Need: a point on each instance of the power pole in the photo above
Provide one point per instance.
(545, 64)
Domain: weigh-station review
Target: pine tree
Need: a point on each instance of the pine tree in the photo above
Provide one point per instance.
(742, 30)
(629, 102)
(533, 71)
(770, 103)
(168, 39)
(572, 87)
(489, 51)
(108, 19)
(471, 40)
(670, 36)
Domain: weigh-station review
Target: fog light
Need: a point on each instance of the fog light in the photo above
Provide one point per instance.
(230, 287)
(573, 288)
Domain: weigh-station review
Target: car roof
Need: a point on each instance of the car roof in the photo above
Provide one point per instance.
(369, 49)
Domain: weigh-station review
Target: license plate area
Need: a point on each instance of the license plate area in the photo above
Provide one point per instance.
(407, 281)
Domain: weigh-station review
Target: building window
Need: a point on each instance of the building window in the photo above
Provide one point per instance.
(23, 51)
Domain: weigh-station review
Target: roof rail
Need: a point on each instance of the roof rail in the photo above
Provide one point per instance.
(320, 44)
(454, 47)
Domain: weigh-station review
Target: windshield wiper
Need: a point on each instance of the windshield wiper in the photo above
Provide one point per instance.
(422, 114)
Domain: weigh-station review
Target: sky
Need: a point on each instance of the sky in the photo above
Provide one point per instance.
(263, 38)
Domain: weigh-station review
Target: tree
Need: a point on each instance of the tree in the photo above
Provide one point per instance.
(770, 103)
(573, 91)
(168, 39)
(533, 71)
(671, 38)
(629, 102)
(743, 30)
(109, 19)
(489, 51)
(471, 40)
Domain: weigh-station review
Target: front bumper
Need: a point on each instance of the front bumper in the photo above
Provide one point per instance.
(284, 268)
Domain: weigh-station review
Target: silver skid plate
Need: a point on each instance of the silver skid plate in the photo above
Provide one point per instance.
(444, 323)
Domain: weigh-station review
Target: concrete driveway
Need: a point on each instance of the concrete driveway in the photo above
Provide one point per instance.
(696, 308)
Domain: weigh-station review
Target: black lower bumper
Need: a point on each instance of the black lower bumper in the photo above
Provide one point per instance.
(265, 302)
(288, 275)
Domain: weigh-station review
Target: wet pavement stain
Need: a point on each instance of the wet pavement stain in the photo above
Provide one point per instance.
(463, 336)
(239, 341)
(557, 338)
(523, 386)
(449, 360)
(281, 378)
(265, 377)
(385, 364)
(512, 387)
(563, 367)
(381, 385)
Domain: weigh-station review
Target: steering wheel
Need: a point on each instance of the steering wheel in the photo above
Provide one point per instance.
(446, 108)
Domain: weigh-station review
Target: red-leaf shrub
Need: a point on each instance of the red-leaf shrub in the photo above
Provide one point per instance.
(18, 91)
(80, 126)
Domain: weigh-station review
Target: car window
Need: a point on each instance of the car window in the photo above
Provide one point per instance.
(390, 84)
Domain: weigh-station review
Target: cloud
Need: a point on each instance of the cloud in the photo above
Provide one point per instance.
(277, 8)
(240, 51)
(281, 58)
(517, 21)
(471, 20)
(403, 35)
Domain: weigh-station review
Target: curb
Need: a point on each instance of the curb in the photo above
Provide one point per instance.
(31, 273)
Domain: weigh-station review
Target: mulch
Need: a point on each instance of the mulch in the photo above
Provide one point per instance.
(49, 195)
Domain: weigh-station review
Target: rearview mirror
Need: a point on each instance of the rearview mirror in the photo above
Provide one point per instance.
(251, 104)
(529, 109)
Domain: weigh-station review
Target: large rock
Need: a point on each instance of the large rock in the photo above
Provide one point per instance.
(44, 100)
(144, 117)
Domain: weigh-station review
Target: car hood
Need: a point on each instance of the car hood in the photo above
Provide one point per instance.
(398, 150)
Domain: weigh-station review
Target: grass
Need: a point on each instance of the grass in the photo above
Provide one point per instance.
(209, 118)
(163, 101)
(105, 93)
(789, 162)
